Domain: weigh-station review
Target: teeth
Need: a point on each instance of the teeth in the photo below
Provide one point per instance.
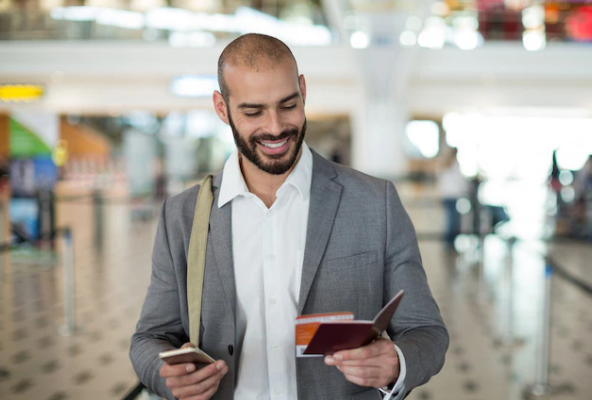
(274, 146)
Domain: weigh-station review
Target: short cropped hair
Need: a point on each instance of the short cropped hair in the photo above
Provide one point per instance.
(253, 50)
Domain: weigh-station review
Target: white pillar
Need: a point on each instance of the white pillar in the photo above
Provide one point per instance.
(377, 142)
(379, 120)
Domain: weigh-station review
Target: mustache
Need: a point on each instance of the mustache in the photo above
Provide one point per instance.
(269, 137)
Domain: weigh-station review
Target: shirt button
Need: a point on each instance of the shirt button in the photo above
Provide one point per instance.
(272, 301)
(274, 347)
(270, 257)
(278, 392)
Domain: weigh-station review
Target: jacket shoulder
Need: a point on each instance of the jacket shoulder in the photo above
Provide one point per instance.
(355, 180)
(182, 204)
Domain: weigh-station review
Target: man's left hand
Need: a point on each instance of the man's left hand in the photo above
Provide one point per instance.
(374, 365)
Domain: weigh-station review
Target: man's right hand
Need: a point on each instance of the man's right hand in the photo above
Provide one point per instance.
(189, 383)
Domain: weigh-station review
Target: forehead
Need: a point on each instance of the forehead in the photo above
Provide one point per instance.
(263, 84)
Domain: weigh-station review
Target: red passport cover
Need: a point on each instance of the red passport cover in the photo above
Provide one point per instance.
(331, 337)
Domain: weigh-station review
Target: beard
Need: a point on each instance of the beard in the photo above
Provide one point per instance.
(278, 164)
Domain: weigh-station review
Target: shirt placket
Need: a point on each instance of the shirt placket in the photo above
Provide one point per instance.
(275, 365)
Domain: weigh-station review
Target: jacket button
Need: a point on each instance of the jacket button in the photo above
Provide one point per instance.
(230, 349)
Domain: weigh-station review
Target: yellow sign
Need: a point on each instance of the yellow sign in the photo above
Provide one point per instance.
(60, 153)
(12, 93)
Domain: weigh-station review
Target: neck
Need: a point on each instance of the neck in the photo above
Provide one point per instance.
(262, 184)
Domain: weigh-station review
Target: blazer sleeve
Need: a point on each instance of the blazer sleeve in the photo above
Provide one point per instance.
(417, 327)
(159, 328)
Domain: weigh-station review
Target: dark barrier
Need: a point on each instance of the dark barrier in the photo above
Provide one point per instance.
(134, 392)
(565, 274)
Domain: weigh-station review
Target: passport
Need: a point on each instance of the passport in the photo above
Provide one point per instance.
(324, 334)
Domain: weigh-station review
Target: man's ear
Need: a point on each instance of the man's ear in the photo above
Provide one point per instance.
(220, 107)
(302, 84)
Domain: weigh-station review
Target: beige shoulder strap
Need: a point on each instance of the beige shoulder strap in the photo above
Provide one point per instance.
(196, 258)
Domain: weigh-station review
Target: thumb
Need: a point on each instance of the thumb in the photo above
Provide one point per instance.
(188, 345)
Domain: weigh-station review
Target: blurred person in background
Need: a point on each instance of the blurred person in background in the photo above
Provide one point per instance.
(4, 177)
(160, 180)
(556, 186)
(290, 234)
(583, 181)
(583, 200)
(554, 181)
(452, 186)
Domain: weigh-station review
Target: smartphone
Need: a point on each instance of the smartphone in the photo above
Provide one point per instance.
(185, 356)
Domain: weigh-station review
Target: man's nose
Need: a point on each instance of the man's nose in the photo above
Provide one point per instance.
(274, 124)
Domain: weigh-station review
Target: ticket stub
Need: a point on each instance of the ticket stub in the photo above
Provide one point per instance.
(306, 326)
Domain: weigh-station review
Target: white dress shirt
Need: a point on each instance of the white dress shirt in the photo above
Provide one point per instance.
(268, 251)
(268, 248)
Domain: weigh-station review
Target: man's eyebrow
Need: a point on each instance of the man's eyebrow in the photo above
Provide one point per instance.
(256, 105)
(290, 97)
(250, 105)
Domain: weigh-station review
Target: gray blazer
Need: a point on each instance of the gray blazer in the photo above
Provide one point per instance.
(361, 249)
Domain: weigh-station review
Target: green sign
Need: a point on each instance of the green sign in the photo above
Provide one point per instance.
(24, 143)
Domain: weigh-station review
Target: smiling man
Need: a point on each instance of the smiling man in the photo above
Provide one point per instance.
(268, 106)
(290, 234)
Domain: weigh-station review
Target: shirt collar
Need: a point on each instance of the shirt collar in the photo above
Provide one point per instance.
(234, 185)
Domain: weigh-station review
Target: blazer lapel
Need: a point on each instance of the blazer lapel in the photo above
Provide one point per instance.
(221, 237)
(324, 202)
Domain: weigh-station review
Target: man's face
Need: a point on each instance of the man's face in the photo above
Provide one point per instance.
(266, 115)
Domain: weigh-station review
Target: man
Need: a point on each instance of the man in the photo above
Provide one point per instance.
(290, 234)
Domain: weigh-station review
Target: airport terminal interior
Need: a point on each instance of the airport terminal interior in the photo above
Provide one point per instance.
(479, 111)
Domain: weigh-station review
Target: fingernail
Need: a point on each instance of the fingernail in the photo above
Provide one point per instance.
(329, 360)
(224, 371)
(219, 365)
(338, 357)
(190, 368)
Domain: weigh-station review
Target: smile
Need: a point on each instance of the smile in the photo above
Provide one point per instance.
(274, 145)
(275, 148)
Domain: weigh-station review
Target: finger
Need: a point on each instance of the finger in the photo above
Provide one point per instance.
(375, 376)
(372, 373)
(188, 345)
(199, 388)
(371, 350)
(197, 376)
(367, 381)
(169, 371)
(361, 381)
(205, 396)
(383, 360)
(366, 362)
(374, 349)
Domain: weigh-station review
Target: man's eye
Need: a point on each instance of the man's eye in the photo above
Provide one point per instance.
(253, 114)
(289, 107)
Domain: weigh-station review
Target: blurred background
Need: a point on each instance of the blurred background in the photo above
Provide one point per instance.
(480, 111)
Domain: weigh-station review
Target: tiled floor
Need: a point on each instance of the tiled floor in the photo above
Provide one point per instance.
(493, 353)
(111, 279)
(113, 270)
